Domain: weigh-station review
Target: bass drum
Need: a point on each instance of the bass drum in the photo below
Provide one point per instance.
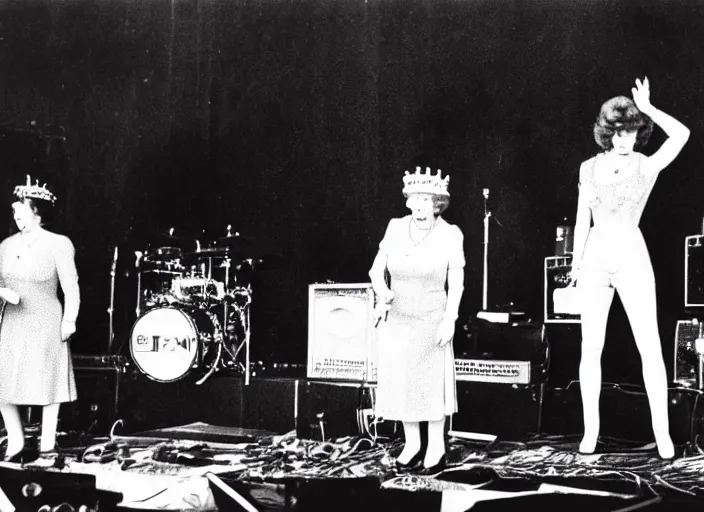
(168, 344)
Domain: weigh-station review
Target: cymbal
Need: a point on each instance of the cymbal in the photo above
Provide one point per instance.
(164, 253)
(162, 240)
(208, 252)
(235, 241)
(237, 259)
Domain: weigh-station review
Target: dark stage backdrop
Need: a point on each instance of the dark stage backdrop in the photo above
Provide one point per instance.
(293, 121)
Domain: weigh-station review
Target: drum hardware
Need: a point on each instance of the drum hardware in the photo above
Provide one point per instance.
(193, 314)
(137, 265)
(220, 343)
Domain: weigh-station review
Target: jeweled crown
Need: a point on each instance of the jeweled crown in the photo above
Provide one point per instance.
(425, 183)
(34, 191)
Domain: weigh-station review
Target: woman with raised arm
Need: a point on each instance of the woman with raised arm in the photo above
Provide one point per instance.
(610, 253)
(417, 309)
(35, 357)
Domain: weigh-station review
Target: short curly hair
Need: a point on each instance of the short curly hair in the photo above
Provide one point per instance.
(620, 113)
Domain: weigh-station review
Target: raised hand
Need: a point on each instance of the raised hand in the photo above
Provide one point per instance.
(641, 95)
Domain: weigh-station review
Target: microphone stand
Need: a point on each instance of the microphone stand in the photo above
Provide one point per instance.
(111, 309)
(485, 283)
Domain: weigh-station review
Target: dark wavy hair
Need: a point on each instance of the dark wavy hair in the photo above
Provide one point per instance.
(621, 114)
(41, 207)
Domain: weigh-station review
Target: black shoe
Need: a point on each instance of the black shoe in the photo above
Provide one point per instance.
(436, 469)
(415, 463)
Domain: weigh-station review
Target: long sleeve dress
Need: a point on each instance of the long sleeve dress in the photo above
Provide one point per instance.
(35, 364)
(416, 377)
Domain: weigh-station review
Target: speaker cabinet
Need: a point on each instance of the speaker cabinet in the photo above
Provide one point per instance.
(341, 334)
(270, 404)
(625, 412)
(96, 409)
(559, 299)
(685, 360)
(694, 271)
(329, 409)
(508, 411)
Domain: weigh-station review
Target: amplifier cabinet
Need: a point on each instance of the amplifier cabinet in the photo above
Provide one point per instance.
(559, 304)
(98, 387)
(694, 271)
(515, 353)
(685, 360)
(341, 334)
(510, 412)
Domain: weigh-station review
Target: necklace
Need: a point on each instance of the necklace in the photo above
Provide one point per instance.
(26, 243)
(416, 243)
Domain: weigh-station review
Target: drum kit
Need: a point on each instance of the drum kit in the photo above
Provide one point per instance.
(193, 305)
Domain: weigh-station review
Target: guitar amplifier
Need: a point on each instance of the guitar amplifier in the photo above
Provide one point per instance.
(686, 360)
(515, 353)
(341, 334)
(694, 271)
(559, 299)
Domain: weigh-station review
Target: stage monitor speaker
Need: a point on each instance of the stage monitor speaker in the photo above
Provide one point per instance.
(686, 360)
(694, 271)
(341, 334)
(559, 299)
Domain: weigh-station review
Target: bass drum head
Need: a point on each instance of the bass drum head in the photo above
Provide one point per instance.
(164, 344)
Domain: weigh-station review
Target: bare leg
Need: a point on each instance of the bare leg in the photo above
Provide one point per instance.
(596, 302)
(13, 425)
(637, 293)
(50, 419)
(436, 443)
(411, 432)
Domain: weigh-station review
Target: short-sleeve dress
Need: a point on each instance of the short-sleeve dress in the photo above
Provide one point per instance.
(35, 364)
(416, 377)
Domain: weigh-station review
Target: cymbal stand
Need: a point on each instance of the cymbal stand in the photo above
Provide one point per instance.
(219, 337)
(138, 267)
(243, 313)
(225, 309)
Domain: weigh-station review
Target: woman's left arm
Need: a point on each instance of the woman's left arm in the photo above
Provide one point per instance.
(677, 133)
(68, 279)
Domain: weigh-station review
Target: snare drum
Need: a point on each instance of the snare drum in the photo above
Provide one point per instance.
(168, 343)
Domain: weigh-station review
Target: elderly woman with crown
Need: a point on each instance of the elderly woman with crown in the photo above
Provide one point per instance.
(417, 309)
(35, 360)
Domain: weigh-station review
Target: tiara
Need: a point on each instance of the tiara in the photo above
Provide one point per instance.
(425, 183)
(34, 191)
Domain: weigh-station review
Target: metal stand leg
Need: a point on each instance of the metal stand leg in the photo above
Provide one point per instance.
(245, 318)
(111, 309)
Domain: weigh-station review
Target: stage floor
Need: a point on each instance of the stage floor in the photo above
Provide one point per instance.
(205, 467)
